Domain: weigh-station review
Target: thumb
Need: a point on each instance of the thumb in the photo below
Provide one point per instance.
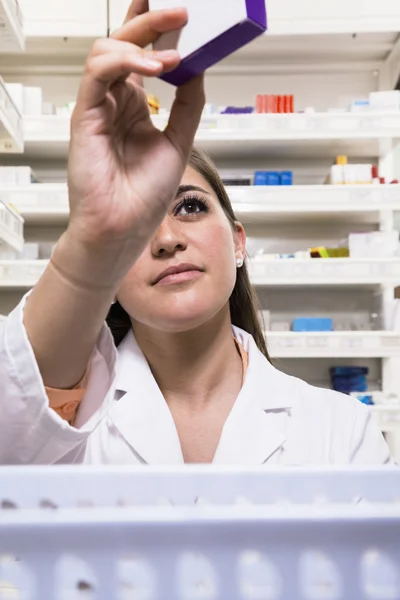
(185, 115)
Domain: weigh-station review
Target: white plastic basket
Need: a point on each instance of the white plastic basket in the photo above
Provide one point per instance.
(199, 533)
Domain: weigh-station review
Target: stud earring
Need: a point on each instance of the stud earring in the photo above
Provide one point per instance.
(239, 263)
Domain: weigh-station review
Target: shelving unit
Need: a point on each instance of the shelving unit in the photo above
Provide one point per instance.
(11, 27)
(11, 229)
(11, 134)
(11, 129)
(229, 137)
(334, 344)
(20, 274)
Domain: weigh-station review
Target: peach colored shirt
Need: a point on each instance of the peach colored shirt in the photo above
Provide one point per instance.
(66, 402)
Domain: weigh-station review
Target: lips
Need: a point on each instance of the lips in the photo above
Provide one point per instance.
(181, 268)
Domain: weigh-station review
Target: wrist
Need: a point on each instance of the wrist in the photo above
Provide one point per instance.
(90, 266)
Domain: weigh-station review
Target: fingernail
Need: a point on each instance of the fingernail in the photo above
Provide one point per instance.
(168, 54)
(152, 64)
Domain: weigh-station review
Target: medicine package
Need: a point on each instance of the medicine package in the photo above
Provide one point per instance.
(216, 29)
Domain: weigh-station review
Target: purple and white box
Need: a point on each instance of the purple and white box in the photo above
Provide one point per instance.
(216, 28)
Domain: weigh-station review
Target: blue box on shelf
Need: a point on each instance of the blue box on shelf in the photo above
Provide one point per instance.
(302, 324)
(351, 379)
(260, 178)
(286, 178)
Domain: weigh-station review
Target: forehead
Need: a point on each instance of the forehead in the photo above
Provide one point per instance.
(192, 177)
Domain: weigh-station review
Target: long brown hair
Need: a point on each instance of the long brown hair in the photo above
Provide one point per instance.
(244, 305)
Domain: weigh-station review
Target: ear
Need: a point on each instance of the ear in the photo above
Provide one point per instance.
(240, 241)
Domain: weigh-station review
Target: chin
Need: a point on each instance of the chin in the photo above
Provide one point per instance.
(183, 319)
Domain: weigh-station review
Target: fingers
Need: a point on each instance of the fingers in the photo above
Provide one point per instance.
(113, 60)
(137, 7)
(147, 27)
(185, 115)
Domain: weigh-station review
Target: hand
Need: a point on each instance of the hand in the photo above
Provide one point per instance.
(123, 172)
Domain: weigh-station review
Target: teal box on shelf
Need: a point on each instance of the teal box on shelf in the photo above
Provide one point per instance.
(303, 324)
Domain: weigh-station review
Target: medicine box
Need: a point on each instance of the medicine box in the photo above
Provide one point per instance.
(215, 29)
(303, 324)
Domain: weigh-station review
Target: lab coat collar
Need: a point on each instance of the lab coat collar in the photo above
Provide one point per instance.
(254, 430)
(252, 433)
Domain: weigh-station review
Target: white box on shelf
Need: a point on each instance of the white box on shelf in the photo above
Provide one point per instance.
(33, 100)
(30, 251)
(387, 100)
(375, 244)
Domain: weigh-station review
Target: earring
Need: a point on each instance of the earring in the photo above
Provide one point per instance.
(239, 263)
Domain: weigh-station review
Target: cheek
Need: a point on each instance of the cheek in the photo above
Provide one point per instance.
(217, 246)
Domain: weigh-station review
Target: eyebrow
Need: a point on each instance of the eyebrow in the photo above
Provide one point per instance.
(183, 189)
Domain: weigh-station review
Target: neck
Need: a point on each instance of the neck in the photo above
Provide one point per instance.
(192, 366)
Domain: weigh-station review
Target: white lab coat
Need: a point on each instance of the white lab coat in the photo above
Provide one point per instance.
(124, 419)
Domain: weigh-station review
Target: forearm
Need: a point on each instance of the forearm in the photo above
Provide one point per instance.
(67, 308)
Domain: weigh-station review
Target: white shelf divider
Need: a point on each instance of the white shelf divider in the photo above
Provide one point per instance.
(11, 128)
(264, 273)
(325, 271)
(47, 203)
(11, 229)
(323, 133)
(334, 344)
(20, 274)
(11, 27)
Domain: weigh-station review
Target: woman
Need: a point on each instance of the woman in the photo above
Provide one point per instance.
(152, 228)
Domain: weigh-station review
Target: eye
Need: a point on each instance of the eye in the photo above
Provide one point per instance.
(190, 207)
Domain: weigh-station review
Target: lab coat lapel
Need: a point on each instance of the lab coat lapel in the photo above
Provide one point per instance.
(141, 414)
(254, 430)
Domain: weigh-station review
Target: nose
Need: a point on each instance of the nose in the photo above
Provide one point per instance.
(168, 239)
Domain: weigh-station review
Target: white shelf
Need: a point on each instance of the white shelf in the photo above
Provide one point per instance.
(20, 274)
(48, 203)
(11, 27)
(290, 17)
(42, 203)
(11, 229)
(11, 131)
(386, 417)
(227, 136)
(335, 344)
(325, 271)
(314, 272)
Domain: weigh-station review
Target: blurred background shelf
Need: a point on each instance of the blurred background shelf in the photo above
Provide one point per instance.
(19, 274)
(227, 137)
(11, 229)
(335, 344)
(334, 272)
(325, 272)
(11, 131)
(48, 203)
(11, 27)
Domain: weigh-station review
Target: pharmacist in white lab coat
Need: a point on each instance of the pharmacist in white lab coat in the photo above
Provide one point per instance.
(181, 372)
